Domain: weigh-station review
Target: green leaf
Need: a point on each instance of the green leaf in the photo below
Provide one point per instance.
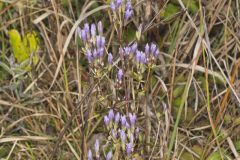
(191, 5)
(170, 10)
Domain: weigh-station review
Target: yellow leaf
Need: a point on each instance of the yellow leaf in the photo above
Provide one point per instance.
(18, 48)
(31, 44)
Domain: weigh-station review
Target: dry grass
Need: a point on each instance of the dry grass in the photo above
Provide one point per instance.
(191, 106)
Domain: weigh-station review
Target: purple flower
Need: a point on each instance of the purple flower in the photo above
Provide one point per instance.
(153, 48)
(83, 35)
(113, 6)
(143, 59)
(100, 52)
(100, 42)
(134, 47)
(132, 118)
(95, 53)
(106, 120)
(128, 14)
(103, 42)
(93, 30)
(117, 118)
(90, 157)
(127, 51)
(122, 136)
(129, 148)
(100, 28)
(109, 155)
(147, 49)
(89, 56)
(118, 3)
(96, 146)
(111, 114)
(128, 5)
(123, 120)
(156, 54)
(86, 28)
(138, 56)
(120, 74)
(127, 125)
(110, 58)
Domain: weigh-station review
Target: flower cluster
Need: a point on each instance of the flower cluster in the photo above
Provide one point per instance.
(147, 56)
(94, 42)
(122, 130)
(117, 4)
(97, 152)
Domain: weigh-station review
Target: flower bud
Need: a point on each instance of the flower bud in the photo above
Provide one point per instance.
(120, 75)
(109, 155)
(90, 157)
(100, 28)
(110, 58)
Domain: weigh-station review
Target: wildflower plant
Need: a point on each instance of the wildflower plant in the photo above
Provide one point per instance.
(123, 136)
(127, 67)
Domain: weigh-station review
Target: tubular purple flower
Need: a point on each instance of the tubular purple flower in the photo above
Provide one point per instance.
(128, 14)
(112, 6)
(127, 125)
(106, 120)
(84, 36)
(129, 148)
(128, 5)
(122, 136)
(134, 47)
(100, 52)
(118, 3)
(98, 41)
(90, 157)
(109, 155)
(96, 146)
(132, 118)
(120, 74)
(93, 30)
(117, 117)
(127, 51)
(153, 48)
(95, 53)
(110, 58)
(111, 114)
(100, 28)
(143, 59)
(156, 53)
(86, 28)
(138, 56)
(89, 56)
(123, 120)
